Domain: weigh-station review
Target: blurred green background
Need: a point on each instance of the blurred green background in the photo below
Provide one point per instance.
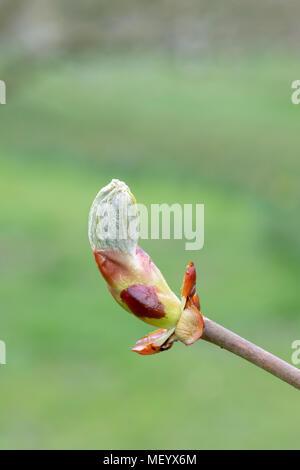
(186, 103)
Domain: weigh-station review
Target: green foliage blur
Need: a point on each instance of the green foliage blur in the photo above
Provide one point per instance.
(220, 132)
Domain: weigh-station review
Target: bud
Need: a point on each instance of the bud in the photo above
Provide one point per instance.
(133, 279)
(191, 324)
(113, 219)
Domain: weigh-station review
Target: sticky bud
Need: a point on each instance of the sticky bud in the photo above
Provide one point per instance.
(134, 280)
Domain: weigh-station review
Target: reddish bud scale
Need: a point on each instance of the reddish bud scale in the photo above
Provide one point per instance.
(143, 301)
(152, 343)
(189, 281)
(138, 286)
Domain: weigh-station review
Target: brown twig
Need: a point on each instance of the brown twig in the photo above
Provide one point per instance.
(226, 339)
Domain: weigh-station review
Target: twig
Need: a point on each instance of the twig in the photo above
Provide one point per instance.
(226, 339)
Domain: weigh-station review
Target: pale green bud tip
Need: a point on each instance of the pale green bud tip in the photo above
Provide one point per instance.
(113, 219)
